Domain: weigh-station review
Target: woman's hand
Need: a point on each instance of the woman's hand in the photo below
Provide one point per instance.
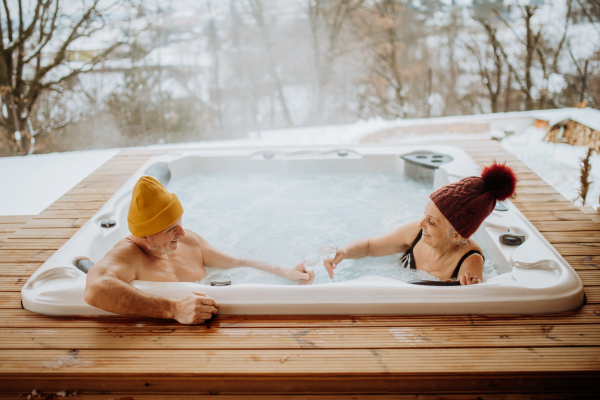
(299, 273)
(467, 279)
(330, 266)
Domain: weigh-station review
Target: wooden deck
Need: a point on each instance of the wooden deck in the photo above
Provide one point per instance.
(556, 356)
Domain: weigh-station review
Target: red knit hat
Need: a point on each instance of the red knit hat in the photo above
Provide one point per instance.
(469, 201)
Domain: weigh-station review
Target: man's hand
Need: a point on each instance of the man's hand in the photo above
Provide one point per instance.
(195, 308)
(299, 273)
(330, 266)
(467, 279)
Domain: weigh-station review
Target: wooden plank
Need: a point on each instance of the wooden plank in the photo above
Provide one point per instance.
(535, 216)
(10, 300)
(113, 184)
(92, 191)
(540, 198)
(66, 214)
(15, 219)
(584, 262)
(571, 237)
(592, 294)
(24, 256)
(13, 269)
(42, 223)
(578, 249)
(118, 172)
(284, 362)
(564, 226)
(185, 337)
(12, 283)
(56, 233)
(76, 205)
(592, 213)
(589, 314)
(32, 244)
(84, 197)
(590, 277)
(9, 228)
(551, 206)
(589, 210)
(532, 182)
(535, 190)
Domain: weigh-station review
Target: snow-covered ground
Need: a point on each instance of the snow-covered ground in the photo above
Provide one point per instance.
(32, 183)
(558, 164)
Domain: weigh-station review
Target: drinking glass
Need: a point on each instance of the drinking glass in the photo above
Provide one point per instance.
(328, 247)
(310, 257)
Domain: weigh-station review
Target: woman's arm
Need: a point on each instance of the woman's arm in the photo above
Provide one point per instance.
(396, 241)
(471, 270)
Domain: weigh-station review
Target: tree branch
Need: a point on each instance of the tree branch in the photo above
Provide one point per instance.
(86, 68)
(41, 45)
(24, 34)
(8, 21)
(505, 22)
(60, 54)
(564, 37)
(588, 15)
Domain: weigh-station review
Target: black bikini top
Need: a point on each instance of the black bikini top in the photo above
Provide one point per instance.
(408, 258)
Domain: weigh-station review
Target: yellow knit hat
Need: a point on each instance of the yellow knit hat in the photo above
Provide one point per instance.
(152, 208)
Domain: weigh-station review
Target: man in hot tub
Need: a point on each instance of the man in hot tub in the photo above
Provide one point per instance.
(440, 243)
(161, 250)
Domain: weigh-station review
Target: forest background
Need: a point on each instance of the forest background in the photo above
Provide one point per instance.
(99, 74)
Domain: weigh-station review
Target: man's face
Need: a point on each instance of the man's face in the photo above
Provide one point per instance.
(166, 241)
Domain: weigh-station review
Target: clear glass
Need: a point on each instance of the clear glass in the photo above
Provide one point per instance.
(310, 257)
(328, 247)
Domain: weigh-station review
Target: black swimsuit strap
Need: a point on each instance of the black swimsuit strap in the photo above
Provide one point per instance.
(455, 274)
(408, 254)
(417, 239)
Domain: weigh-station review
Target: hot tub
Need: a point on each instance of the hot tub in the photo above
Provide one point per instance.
(529, 278)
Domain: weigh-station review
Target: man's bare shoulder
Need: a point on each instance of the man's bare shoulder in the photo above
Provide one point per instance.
(125, 248)
(193, 239)
(122, 260)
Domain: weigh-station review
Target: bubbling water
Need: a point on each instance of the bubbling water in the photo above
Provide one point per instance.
(271, 217)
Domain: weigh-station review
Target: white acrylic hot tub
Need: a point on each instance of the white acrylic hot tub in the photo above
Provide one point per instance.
(534, 277)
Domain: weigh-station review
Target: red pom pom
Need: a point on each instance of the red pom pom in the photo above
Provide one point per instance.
(500, 179)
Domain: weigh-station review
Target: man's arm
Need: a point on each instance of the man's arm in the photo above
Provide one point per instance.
(108, 288)
(213, 257)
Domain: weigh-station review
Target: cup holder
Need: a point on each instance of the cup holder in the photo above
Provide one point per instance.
(514, 237)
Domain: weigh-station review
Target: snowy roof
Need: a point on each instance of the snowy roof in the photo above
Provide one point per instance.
(585, 116)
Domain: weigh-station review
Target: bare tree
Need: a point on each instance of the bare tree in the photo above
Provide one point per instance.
(33, 56)
(327, 20)
(490, 63)
(397, 80)
(257, 9)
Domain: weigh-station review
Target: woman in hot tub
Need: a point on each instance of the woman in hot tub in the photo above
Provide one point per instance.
(440, 243)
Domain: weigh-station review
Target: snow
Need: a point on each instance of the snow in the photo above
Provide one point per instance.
(32, 183)
(557, 164)
(585, 116)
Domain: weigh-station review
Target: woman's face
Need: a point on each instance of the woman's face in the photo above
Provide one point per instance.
(435, 226)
